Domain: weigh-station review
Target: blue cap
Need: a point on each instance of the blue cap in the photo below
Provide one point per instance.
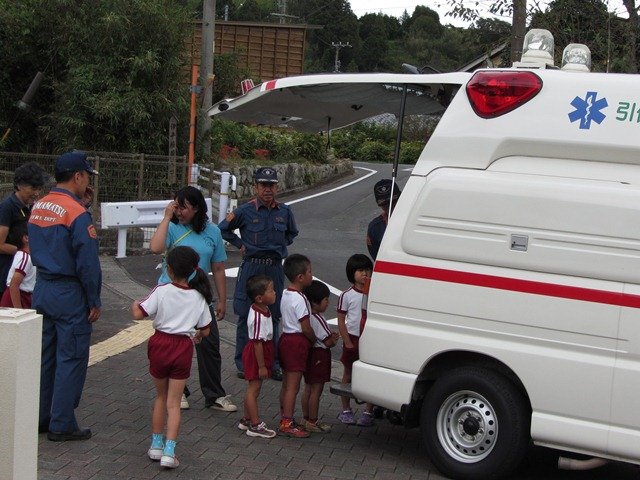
(265, 174)
(75, 161)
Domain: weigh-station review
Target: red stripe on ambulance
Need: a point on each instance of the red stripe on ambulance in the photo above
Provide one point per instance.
(509, 284)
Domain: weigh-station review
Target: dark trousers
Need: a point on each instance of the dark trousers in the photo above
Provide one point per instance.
(66, 336)
(210, 364)
(242, 304)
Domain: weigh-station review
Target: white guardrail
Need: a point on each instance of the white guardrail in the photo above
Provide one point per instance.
(125, 215)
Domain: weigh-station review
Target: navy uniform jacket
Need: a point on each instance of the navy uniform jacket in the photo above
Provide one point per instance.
(64, 243)
(375, 232)
(263, 231)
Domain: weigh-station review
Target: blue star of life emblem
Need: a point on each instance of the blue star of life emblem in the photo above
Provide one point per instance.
(588, 109)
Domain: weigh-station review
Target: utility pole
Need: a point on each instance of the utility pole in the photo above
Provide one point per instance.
(206, 68)
(338, 46)
(282, 12)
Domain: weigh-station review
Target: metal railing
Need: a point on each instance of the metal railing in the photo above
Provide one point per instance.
(131, 177)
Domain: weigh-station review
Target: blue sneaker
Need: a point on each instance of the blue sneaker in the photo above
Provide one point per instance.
(365, 420)
(346, 417)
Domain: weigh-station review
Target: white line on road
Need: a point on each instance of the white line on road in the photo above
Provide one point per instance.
(371, 172)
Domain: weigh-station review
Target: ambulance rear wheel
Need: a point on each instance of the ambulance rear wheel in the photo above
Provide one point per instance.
(475, 424)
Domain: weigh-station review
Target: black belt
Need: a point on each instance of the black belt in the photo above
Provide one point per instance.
(263, 261)
(56, 278)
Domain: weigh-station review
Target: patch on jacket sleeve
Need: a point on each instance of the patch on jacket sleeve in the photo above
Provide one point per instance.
(92, 231)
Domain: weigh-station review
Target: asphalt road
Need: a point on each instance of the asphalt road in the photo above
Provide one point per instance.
(333, 227)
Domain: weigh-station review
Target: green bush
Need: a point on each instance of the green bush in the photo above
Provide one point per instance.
(346, 143)
(375, 151)
(311, 147)
(410, 152)
(228, 133)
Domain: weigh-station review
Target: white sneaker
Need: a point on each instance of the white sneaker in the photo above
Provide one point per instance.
(184, 403)
(155, 454)
(169, 461)
(224, 404)
(260, 430)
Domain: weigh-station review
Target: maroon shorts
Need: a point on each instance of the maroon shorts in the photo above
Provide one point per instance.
(318, 366)
(170, 356)
(249, 362)
(350, 355)
(294, 352)
(25, 298)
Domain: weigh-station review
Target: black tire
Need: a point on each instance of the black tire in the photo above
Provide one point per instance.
(492, 423)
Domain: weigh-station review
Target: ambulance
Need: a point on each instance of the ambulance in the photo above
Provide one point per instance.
(504, 306)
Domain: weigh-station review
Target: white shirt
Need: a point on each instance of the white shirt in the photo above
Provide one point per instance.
(294, 307)
(320, 328)
(179, 310)
(350, 303)
(22, 264)
(259, 325)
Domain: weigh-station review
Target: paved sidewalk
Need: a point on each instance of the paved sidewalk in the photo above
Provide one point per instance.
(116, 405)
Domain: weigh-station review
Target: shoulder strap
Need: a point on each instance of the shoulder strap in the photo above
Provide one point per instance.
(182, 237)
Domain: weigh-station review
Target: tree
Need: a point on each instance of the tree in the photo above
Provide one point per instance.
(375, 42)
(632, 38)
(587, 22)
(113, 73)
(517, 8)
(339, 24)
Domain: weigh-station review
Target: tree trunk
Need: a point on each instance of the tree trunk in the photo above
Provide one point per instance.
(630, 5)
(518, 29)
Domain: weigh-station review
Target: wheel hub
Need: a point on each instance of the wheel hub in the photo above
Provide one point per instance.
(467, 426)
(470, 424)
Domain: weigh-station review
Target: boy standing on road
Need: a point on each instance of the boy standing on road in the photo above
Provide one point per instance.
(319, 363)
(297, 338)
(257, 357)
(377, 226)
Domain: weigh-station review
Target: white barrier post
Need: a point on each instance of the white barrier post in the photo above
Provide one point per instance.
(122, 243)
(20, 340)
(224, 195)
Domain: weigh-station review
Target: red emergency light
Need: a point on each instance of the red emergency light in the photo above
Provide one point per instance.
(494, 93)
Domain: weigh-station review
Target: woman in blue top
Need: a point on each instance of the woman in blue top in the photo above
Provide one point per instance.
(186, 223)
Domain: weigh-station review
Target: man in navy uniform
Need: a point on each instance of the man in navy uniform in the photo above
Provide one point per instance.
(64, 248)
(377, 226)
(266, 229)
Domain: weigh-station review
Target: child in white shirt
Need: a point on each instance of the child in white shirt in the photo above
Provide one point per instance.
(319, 363)
(295, 341)
(182, 319)
(22, 274)
(258, 353)
(351, 317)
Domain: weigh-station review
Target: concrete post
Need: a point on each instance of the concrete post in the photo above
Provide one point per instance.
(20, 341)
(122, 243)
(224, 195)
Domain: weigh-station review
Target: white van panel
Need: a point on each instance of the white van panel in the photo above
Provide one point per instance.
(382, 386)
(556, 431)
(565, 326)
(625, 432)
(560, 167)
(576, 227)
(428, 317)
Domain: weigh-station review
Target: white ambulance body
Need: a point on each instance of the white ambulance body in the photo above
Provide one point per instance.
(505, 299)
